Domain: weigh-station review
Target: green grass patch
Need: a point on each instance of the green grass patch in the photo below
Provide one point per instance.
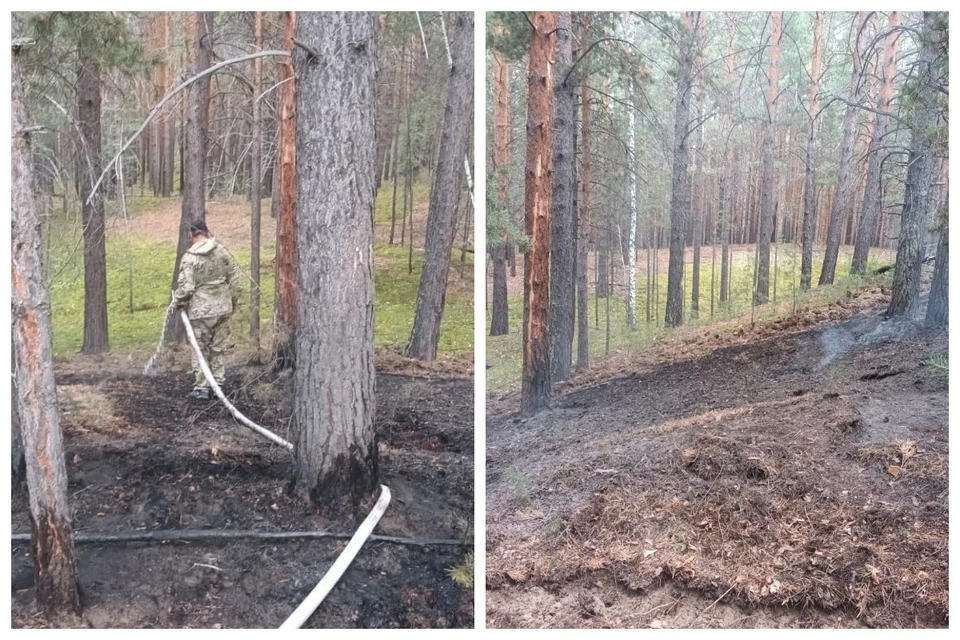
(383, 212)
(137, 327)
(504, 353)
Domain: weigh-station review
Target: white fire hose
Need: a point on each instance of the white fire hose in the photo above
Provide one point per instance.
(205, 368)
(336, 570)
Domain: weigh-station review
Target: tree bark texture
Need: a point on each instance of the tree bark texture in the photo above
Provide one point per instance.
(35, 391)
(285, 301)
(768, 200)
(447, 183)
(256, 156)
(95, 329)
(500, 312)
(918, 192)
(334, 377)
(583, 230)
(632, 197)
(198, 51)
(870, 209)
(680, 195)
(938, 306)
(562, 218)
(535, 386)
(810, 163)
(843, 196)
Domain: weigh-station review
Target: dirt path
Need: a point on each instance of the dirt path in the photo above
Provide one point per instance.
(797, 480)
(140, 456)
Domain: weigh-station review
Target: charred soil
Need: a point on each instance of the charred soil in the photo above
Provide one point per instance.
(140, 456)
(796, 480)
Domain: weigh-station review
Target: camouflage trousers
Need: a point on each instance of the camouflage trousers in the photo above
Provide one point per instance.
(212, 336)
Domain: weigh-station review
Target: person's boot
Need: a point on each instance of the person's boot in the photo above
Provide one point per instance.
(199, 394)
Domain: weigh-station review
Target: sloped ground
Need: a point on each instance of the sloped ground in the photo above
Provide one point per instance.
(796, 479)
(140, 456)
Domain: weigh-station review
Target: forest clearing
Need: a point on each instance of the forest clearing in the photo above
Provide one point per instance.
(190, 193)
(718, 294)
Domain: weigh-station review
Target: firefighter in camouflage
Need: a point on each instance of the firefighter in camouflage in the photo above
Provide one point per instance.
(208, 287)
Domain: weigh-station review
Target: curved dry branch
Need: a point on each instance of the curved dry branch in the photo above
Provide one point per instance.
(156, 109)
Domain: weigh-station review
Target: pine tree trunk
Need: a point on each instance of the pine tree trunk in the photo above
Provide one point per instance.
(396, 135)
(727, 176)
(562, 219)
(583, 224)
(871, 191)
(810, 165)
(680, 194)
(19, 468)
(334, 377)
(95, 328)
(632, 197)
(285, 300)
(535, 388)
(256, 153)
(603, 280)
(767, 200)
(198, 49)
(158, 127)
(918, 191)
(500, 312)
(842, 197)
(696, 213)
(448, 179)
(170, 128)
(938, 306)
(35, 391)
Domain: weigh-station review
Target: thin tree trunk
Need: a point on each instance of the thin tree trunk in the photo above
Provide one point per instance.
(562, 218)
(256, 152)
(842, 198)
(606, 348)
(810, 165)
(408, 172)
(285, 300)
(603, 273)
(95, 327)
(198, 47)
(500, 312)
(396, 135)
(535, 388)
(334, 377)
(767, 202)
(35, 391)
(583, 223)
(632, 196)
(170, 135)
(680, 195)
(871, 191)
(696, 212)
(448, 179)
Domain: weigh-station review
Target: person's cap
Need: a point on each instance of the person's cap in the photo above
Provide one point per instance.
(198, 227)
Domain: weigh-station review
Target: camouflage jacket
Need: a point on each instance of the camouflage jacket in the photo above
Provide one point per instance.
(209, 280)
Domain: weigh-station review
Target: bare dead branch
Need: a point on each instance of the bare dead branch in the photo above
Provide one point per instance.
(156, 109)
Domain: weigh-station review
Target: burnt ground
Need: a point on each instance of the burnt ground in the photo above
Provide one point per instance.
(141, 456)
(798, 480)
